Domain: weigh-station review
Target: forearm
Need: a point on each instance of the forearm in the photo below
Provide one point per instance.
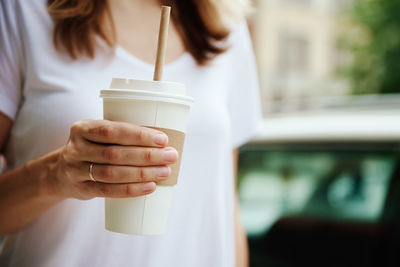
(241, 244)
(25, 193)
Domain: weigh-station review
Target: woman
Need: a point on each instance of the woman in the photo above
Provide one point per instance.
(53, 63)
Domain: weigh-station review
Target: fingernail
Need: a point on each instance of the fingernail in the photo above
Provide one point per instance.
(163, 171)
(161, 139)
(148, 187)
(170, 155)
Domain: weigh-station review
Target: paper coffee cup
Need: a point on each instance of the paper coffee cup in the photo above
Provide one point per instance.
(157, 104)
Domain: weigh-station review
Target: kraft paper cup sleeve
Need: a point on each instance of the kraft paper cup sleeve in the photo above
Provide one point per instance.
(176, 140)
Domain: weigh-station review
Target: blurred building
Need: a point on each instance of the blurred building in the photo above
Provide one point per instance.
(297, 50)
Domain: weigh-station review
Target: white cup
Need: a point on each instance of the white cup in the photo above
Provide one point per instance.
(156, 104)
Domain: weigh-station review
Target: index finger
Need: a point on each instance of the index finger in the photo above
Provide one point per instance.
(121, 133)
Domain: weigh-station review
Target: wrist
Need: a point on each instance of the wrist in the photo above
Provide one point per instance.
(43, 170)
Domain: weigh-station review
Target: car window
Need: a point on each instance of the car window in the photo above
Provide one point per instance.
(323, 182)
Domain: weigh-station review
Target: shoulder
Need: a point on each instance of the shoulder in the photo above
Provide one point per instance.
(240, 48)
(239, 43)
(14, 13)
(239, 35)
(13, 7)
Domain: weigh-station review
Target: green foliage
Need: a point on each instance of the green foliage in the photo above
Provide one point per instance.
(375, 47)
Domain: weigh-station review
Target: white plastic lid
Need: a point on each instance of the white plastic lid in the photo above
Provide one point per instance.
(147, 90)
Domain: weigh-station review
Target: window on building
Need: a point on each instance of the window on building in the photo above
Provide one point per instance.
(303, 2)
(293, 54)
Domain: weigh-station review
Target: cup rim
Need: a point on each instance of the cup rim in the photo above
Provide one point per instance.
(120, 79)
(145, 95)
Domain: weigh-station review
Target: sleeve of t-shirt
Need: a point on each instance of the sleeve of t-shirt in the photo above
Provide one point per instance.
(10, 60)
(244, 98)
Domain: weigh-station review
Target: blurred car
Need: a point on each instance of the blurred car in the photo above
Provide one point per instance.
(322, 187)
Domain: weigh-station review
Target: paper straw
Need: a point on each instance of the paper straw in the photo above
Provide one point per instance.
(162, 43)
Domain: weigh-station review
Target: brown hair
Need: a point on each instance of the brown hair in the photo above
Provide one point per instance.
(201, 25)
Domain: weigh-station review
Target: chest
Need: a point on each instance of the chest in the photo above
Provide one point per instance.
(54, 101)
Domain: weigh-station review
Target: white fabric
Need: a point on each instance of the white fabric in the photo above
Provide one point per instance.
(44, 92)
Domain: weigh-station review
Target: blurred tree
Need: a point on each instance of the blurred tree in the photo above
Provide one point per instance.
(375, 46)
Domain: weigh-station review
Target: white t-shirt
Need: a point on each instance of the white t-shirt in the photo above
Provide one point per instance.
(44, 92)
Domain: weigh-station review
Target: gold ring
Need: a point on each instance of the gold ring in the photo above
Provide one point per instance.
(91, 172)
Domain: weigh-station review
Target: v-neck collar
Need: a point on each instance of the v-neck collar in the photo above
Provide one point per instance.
(129, 56)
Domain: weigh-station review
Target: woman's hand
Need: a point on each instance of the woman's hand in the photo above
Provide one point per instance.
(127, 159)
